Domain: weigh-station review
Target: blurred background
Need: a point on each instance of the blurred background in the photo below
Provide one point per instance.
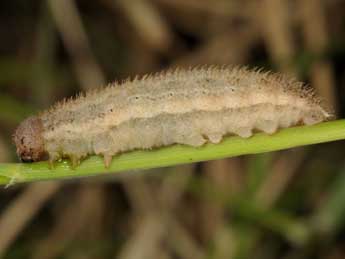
(288, 204)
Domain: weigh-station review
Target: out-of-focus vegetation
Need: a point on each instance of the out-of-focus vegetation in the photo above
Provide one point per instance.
(287, 204)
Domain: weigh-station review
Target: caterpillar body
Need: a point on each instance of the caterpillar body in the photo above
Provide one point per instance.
(188, 107)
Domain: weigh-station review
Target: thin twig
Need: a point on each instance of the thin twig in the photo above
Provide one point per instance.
(69, 23)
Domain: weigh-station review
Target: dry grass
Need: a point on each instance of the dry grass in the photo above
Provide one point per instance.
(263, 206)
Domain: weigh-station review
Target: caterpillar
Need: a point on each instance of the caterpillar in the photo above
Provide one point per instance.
(188, 107)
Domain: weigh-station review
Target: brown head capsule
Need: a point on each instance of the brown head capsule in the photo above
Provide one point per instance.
(29, 140)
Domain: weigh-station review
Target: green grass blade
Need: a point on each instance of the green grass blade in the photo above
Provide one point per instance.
(177, 154)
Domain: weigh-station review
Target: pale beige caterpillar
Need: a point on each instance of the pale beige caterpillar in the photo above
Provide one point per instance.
(189, 107)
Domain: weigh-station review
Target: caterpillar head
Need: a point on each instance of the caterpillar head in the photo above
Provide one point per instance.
(29, 141)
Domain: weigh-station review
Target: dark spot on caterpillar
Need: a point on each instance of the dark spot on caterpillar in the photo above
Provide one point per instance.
(26, 160)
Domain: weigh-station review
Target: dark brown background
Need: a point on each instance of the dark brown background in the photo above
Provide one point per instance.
(288, 204)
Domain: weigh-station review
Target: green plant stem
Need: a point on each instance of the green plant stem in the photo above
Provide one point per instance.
(176, 154)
